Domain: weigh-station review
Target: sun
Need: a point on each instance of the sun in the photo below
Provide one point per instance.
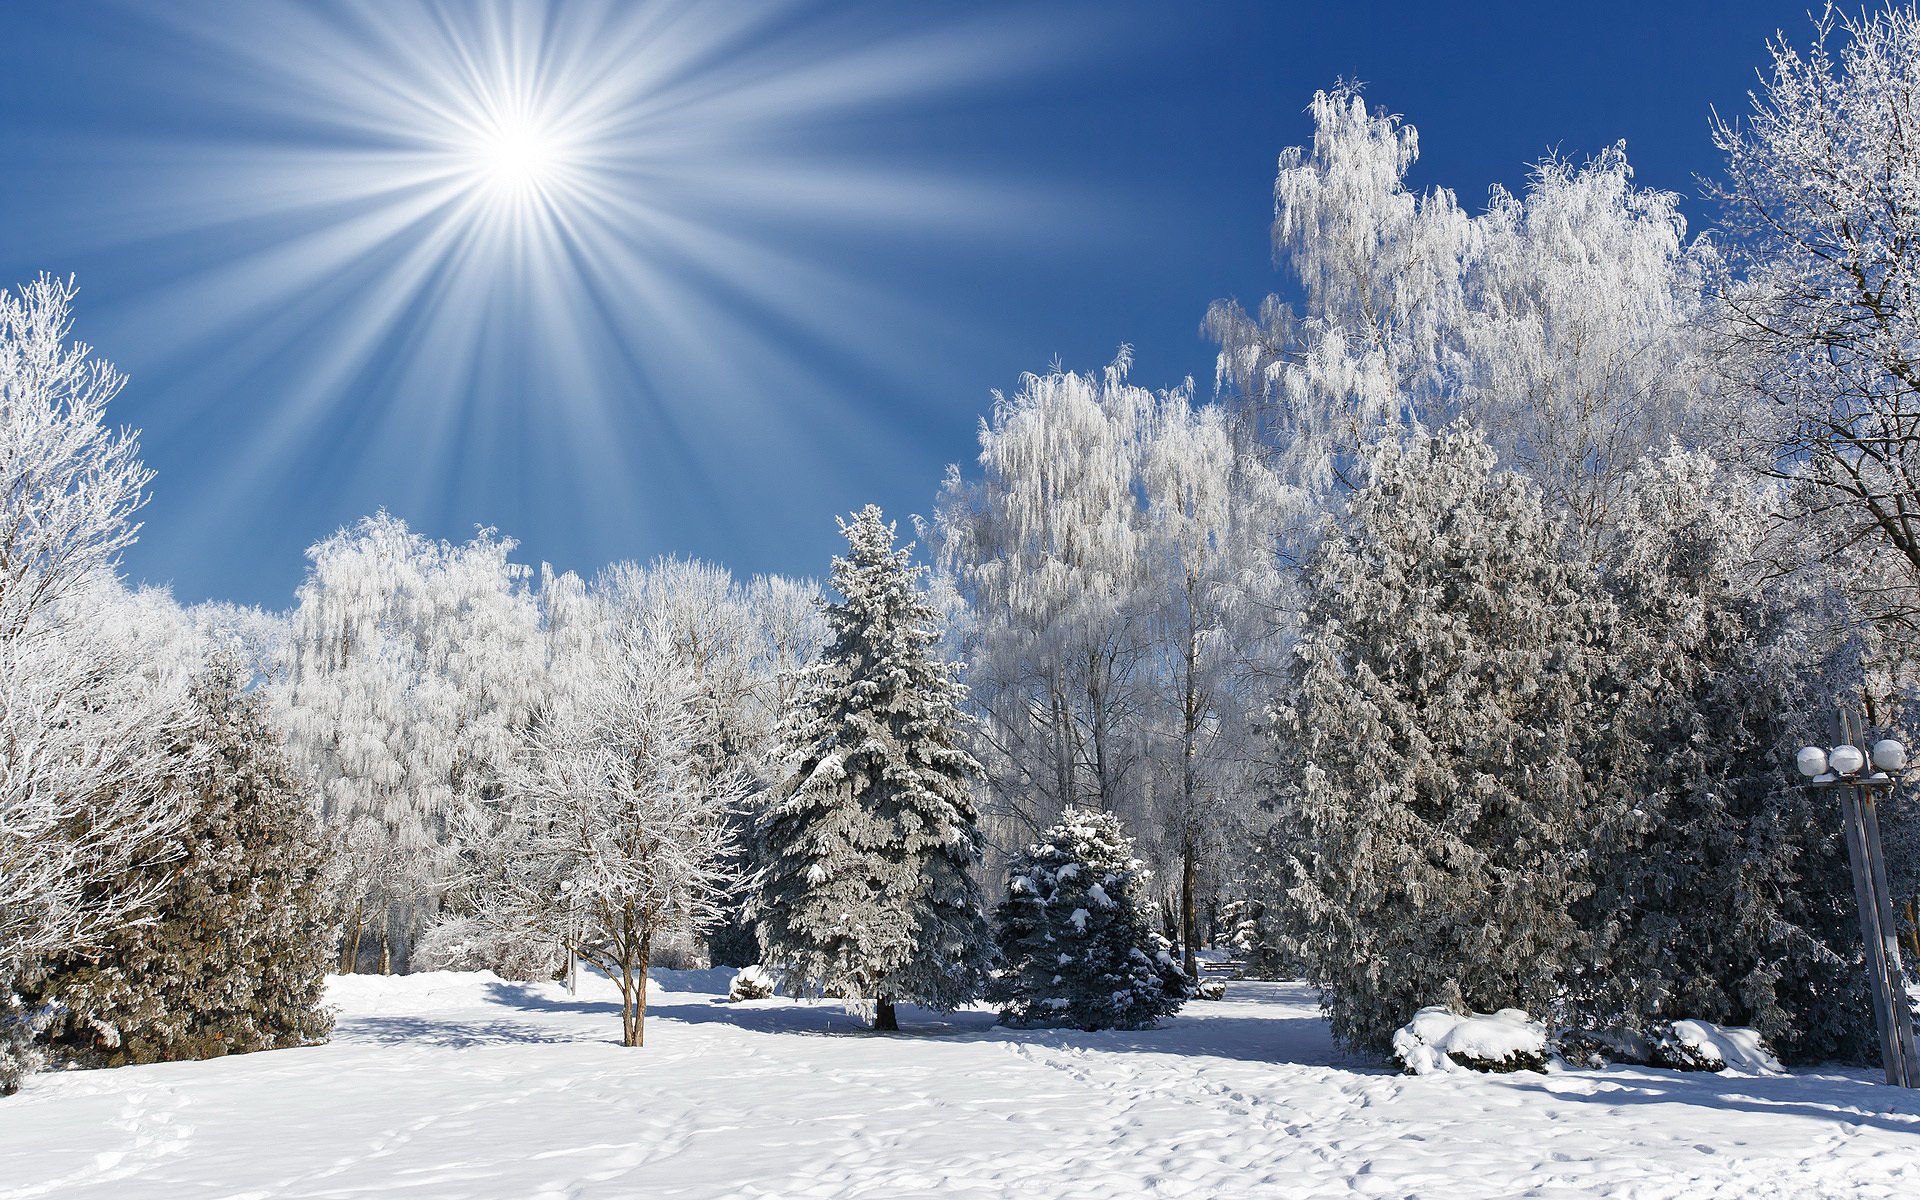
(518, 157)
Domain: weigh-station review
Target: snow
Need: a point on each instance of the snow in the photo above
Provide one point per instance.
(1739, 1049)
(462, 1085)
(1429, 1042)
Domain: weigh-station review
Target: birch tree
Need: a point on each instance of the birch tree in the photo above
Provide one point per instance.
(1821, 209)
(414, 666)
(1046, 546)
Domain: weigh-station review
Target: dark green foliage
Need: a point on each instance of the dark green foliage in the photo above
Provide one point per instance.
(1430, 759)
(1077, 946)
(234, 953)
(1723, 894)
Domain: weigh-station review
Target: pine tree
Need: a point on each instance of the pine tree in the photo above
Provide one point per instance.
(868, 887)
(1078, 946)
(1433, 764)
(235, 954)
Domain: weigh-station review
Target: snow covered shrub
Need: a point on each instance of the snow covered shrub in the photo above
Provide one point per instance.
(1439, 1039)
(1077, 945)
(466, 943)
(234, 956)
(1704, 1046)
(751, 983)
(1441, 812)
(1590, 1049)
(1210, 989)
(869, 854)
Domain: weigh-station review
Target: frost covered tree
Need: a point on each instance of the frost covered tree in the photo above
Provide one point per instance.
(1381, 294)
(1431, 760)
(234, 946)
(1046, 547)
(79, 733)
(1821, 210)
(414, 666)
(1211, 593)
(867, 885)
(1564, 321)
(1723, 892)
(612, 834)
(1582, 342)
(1074, 934)
(70, 483)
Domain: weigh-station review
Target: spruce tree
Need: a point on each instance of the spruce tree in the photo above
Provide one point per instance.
(1077, 945)
(235, 951)
(868, 886)
(1432, 753)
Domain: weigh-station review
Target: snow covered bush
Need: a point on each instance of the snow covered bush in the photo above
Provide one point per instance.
(1210, 989)
(469, 943)
(750, 983)
(1439, 1039)
(1704, 1046)
(867, 884)
(21, 1052)
(233, 953)
(1077, 946)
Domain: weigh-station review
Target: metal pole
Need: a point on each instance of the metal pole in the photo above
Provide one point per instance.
(1906, 1052)
(1892, 1016)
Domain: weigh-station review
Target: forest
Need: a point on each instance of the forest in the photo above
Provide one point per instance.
(1450, 647)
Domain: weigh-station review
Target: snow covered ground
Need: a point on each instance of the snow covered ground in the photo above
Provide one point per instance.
(464, 1086)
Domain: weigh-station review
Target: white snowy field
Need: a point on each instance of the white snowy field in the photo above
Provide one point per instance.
(460, 1085)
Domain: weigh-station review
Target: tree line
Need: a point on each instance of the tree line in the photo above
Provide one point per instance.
(1452, 651)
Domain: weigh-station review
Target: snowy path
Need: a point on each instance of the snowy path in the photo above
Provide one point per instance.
(463, 1086)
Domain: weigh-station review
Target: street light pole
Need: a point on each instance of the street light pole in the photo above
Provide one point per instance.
(1854, 775)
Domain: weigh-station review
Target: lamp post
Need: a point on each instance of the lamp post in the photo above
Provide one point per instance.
(1855, 775)
(573, 940)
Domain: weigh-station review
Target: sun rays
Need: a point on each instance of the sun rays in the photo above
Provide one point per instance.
(598, 251)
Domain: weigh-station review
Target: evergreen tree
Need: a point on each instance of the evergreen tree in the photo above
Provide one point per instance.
(234, 955)
(1433, 759)
(867, 888)
(1078, 946)
(1723, 894)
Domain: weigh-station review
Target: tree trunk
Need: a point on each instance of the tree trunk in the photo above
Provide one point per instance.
(1189, 785)
(883, 1015)
(1188, 879)
(386, 954)
(350, 950)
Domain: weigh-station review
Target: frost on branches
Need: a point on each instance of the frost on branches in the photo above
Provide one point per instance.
(415, 665)
(1432, 750)
(236, 943)
(1076, 942)
(80, 733)
(613, 833)
(867, 888)
(1819, 313)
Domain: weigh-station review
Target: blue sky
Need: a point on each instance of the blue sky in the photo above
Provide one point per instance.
(780, 268)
